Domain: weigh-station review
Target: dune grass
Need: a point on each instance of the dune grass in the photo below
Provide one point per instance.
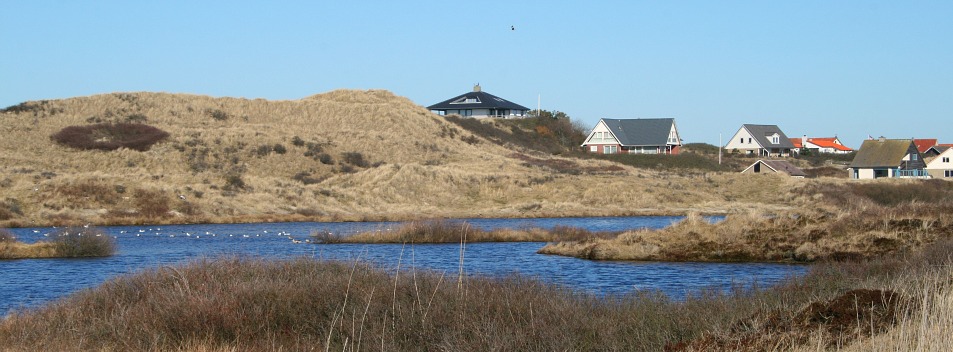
(73, 242)
(305, 304)
(447, 231)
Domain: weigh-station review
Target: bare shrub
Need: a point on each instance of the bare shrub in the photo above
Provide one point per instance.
(110, 136)
(73, 242)
(151, 203)
(217, 114)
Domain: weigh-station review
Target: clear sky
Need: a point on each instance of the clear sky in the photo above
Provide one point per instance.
(850, 68)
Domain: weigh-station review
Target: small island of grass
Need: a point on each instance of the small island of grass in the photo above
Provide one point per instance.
(66, 243)
(447, 231)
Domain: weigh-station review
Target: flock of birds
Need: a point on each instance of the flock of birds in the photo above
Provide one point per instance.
(157, 232)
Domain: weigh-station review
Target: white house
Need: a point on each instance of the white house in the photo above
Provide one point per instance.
(761, 140)
(479, 104)
(634, 136)
(831, 145)
(941, 166)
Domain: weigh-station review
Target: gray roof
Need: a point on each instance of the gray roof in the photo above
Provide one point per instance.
(882, 153)
(781, 166)
(482, 100)
(761, 133)
(639, 132)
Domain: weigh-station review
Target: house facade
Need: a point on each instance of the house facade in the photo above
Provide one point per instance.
(634, 136)
(774, 166)
(760, 140)
(479, 104)
(883, 157)
(942, 165)
(830, 145)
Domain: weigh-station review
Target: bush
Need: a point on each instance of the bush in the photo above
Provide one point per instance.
(297, 141)
(151, 203)
(355, 158)
(217, 114)
(6, 236)
(75, 242)
(110, 136)
(279, 149)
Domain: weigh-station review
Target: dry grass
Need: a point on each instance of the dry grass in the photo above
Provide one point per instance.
(412, 164)
(66, 243)
(748, 237)
(303, 304)
(445, 231)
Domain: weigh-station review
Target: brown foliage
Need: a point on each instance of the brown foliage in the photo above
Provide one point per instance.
(151, 203)
(110, 136)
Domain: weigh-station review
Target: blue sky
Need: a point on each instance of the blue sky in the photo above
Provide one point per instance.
(850, 68)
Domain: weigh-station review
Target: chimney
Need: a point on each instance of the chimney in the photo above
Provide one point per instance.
(804, 141)
(476, 88)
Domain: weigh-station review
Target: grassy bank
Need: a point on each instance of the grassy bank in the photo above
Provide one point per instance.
(851, 221)
(303, 304)
(446, 231)
(66, 243)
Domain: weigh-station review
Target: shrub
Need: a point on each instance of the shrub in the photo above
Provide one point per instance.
(355, 158)
(325, 159)
(75, 242)
(6, 236)
(297, 141)
(263, 150)
(234, 182)
(217, 114)
(151, 203)
(110, 136)
(279, 149)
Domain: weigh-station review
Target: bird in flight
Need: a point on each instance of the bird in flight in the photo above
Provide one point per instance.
(512, 28)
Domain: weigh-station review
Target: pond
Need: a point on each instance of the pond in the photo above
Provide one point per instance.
(31, 282)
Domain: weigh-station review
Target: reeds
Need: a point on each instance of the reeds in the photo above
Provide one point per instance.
(67, 243)
(304, 304)
(447, 231)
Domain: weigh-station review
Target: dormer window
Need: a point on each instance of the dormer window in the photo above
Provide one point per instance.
(775, 139)
(467, 100)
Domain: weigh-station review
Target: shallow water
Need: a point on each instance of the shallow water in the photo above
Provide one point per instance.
(32, 282)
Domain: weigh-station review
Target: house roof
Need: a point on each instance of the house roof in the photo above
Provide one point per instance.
(761, 133)
(829, 143)
(780, 166)
(477, 99)
(940, 148)
(881, 153)
(641, 131)
(924, 143)
(797, 142)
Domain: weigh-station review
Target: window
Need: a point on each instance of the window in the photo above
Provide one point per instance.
(610, 149)
(946, 160)
(749, 140)
(775, 139)
(594, 148)
(913, 157)
(742, 140)
(948, 173)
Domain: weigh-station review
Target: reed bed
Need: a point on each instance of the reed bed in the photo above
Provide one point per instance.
(306, 304)
(447, 231)
(860, 231)
(72, 242)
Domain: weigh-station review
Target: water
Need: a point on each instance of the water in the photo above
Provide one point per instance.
(32, 282)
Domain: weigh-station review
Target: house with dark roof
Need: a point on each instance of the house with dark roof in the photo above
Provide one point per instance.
(883, 157)
(479, 104)
(634, 136)
(936, 150)
(831, 145)
(774, 166)
(760, 140)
